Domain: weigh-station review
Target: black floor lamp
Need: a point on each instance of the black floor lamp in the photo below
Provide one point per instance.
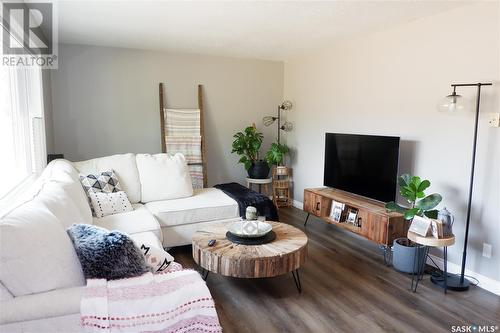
(459, 282)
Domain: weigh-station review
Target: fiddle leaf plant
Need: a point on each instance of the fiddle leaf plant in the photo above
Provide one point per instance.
(276, 154)
(247, 145)
(412, 189)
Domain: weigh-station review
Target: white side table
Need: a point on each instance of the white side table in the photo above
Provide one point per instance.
(266, 182)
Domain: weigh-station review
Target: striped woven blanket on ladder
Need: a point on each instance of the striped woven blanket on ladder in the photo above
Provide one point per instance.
(175, 301)
(183, 135)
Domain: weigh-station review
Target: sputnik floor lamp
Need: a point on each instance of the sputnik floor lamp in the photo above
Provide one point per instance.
(452, 104)
(286, 126)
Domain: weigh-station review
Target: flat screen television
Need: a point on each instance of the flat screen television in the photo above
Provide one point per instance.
(366, 165)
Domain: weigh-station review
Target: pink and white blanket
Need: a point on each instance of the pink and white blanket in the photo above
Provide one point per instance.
(174, 301)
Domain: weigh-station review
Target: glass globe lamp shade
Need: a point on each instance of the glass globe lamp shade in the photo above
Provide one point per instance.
(451, 103)
(286, 105)
(287, 126)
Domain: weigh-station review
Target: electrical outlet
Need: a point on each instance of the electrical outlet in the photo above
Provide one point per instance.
(486, 250)
(494, 120)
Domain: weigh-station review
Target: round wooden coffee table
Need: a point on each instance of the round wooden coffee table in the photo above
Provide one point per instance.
(283, 255)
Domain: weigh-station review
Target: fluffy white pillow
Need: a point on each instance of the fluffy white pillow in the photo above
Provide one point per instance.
(163, 177)
(105, 204)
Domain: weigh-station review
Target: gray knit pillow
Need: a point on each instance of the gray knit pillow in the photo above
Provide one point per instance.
(106, 254)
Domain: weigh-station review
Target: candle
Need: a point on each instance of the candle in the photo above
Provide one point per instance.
(251, 213)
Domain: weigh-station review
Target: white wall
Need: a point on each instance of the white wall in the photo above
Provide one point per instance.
(105, 101)
(389, 83)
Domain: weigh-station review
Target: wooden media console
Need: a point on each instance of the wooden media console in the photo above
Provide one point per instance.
(375, 223)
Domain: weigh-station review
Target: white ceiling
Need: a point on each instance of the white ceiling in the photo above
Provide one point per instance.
(273, 30)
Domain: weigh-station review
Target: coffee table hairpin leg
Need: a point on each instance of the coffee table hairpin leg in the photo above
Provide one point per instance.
(307, 218)
(204, 273)
(296, 279)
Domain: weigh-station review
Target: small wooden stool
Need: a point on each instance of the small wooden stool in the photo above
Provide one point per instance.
(281, 187)
(266, 182)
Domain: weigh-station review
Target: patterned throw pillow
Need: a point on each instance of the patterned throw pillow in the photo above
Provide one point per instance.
(105, 204)
(158, 260)
(105, 182)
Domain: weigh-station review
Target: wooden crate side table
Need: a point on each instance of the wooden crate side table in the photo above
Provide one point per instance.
(281, 187)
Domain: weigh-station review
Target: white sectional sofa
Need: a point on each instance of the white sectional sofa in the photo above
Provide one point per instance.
(40, 275)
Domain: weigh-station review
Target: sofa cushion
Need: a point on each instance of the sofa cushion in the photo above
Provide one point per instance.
(4, 293)
(72, 186)
(48, 304)
(61, 191)
(208, 204)
(59, 198)
(137, 221)
(106, 254)
(123, 165)
(163, 177)
(36, 254)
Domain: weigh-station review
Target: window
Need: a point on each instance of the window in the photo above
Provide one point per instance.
(22, 130)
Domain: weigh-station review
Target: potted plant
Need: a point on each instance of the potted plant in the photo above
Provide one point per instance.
(276, 154)
(412, 189)
(247, 145)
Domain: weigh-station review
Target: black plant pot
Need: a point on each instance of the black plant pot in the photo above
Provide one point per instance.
(259, 170)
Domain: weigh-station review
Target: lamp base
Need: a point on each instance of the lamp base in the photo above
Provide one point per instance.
(452, 283)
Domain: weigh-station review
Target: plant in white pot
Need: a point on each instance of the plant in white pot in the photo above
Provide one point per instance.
(412, 188)
(276, 154)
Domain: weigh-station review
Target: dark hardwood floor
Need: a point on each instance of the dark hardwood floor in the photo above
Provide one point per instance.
(346, 288)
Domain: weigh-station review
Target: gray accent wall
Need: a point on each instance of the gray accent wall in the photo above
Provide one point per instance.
(105, 101)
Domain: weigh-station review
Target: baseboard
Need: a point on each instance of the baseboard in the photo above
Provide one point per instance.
(485, 282)
(297, 204)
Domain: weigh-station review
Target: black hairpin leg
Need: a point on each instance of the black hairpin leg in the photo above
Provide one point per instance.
(445, 269)
(415, 255)
(296, 279)
(204, 273)
(386, 251)
(307, 218)
(419, 265)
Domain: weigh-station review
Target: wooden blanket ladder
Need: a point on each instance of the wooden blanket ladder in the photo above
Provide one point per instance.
(182, 131)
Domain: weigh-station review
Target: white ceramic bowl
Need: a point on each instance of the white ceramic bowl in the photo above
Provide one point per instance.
(246, 230)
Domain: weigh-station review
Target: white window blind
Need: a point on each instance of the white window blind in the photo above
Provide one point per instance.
(22, 130)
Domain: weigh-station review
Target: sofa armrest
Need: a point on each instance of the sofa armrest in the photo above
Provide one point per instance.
(52, 303)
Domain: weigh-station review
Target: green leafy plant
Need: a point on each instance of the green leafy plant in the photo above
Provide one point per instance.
(276, 154)
(247, 145)
(412, 189)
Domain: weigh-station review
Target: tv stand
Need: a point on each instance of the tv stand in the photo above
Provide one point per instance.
(376, 224)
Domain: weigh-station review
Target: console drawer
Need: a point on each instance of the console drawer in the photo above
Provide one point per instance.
(316, 204)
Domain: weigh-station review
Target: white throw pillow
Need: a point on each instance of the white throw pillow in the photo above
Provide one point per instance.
(105, 204)
(164, 177)
(158, 260)
(36, 253)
